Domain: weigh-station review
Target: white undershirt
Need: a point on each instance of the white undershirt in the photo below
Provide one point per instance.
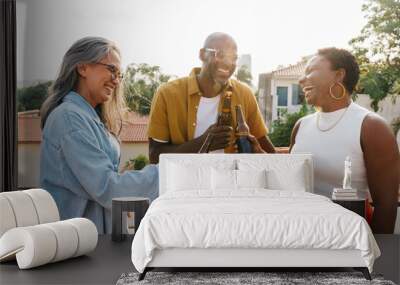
(207, 114)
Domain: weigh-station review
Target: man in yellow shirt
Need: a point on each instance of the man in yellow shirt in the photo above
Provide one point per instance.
(185, 111)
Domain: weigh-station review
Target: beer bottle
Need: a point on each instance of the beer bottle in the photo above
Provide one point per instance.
(225, 117)
(242, 132)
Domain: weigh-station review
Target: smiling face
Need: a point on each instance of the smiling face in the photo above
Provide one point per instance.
(100, 78)
(219, 59)
(316, 81)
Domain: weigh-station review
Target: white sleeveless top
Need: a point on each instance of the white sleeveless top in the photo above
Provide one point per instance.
(330, 148)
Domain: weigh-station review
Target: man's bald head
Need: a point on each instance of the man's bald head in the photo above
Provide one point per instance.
(219, 38)
(219, 56)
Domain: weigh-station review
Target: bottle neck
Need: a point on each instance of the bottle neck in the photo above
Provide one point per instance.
(225, 116)
(242, 129)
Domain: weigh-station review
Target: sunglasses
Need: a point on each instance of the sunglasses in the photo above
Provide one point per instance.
(221, 55)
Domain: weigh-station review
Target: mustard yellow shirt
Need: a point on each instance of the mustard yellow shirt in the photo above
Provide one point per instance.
(173, 110)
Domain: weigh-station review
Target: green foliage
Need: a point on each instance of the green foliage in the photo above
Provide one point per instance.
(137, 163)
(140, 84)
(243, 74)
(32, 97)
(380, 37)
(377, 50)
(282, 127)
(378, 80)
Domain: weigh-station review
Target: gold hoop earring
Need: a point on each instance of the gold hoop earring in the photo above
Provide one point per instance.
(343, 91)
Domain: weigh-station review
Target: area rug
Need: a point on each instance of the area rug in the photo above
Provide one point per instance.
(243, 278)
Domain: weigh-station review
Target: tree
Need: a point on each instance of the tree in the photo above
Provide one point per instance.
(282, 127)
(243, 74)
(140, 84)
(32, 97)
(377, 50)
(378, 80)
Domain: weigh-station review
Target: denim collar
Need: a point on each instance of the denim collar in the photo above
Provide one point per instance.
(77, 99)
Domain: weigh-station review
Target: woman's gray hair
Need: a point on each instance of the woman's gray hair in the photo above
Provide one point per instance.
(85, 50)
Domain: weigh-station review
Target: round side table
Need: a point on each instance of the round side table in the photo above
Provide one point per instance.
(127, 212)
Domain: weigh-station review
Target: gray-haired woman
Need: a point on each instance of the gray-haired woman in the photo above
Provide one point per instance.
(81, 119)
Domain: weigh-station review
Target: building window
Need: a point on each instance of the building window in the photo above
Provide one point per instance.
(282, 93)
(297, 95)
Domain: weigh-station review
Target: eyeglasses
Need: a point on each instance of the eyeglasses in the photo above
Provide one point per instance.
(221, 55)
(115, 73)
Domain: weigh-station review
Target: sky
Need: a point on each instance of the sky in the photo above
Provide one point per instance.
(169, 33)
(273, 32)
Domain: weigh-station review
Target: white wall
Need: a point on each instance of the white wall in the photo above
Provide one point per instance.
(388, 108)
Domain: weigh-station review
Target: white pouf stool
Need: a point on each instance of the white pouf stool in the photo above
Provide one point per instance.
(31, 231)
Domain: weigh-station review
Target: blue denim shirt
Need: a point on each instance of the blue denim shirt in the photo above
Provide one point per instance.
(79, 165)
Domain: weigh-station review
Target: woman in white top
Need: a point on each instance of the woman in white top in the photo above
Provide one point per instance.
(341, 128)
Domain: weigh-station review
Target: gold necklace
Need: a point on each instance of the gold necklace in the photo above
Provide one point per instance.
(334, 125)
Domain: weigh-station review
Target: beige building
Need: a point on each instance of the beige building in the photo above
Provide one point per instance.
(133, 138)
(279, 91)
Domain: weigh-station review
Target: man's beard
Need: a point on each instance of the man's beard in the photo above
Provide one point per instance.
(218, 86)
